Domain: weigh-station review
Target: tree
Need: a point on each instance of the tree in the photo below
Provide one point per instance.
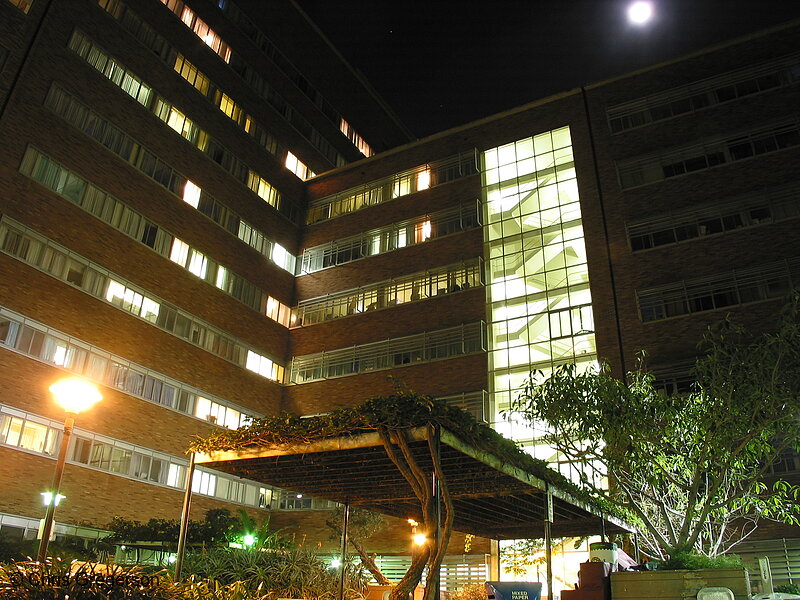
(690, 467)
(361, 523)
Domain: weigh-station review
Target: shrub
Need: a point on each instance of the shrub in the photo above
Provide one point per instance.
(476, 591)
(692, 561)
(295, 573)
(787, 588)
(27, 580)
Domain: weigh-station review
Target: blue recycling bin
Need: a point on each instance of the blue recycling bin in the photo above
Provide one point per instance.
(513, 590)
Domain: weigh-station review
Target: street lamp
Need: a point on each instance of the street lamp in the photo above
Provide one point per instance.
(75, 396)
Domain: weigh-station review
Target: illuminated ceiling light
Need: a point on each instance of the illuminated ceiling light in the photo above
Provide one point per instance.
(640, 12)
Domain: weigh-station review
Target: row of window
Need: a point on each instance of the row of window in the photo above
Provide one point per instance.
(759, 208)
(705, 93)
(388, 354)
(357, 140)
(173, 117)
(20, 242)
(773, 280)
(394, 186)
(710, 153)
(385, 294)
(40, 435)
(108, 209)
(233, 111)
(270, 50)
(35, 340)
(258, 83)
(391, 237)
(80, 116)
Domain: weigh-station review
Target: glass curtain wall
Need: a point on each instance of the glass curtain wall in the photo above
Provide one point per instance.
(539, 303)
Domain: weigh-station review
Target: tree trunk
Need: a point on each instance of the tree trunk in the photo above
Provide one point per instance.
(369, 562)
(412, 577)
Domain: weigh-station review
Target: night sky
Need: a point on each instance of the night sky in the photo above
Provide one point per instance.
(441, 63)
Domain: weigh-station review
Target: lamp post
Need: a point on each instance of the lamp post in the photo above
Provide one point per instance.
(74, 395)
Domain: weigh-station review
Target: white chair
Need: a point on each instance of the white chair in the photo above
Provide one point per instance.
(715, 593)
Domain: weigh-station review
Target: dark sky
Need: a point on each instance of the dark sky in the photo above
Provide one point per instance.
(441, 63)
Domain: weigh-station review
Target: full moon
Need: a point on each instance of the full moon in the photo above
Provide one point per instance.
(640, 13)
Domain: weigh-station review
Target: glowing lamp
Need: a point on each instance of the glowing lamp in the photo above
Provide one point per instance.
(47, 498)
(336, 563)
(75, 395)
(420, 539)
(249, 540)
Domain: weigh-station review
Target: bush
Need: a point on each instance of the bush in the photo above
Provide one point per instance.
(68, 549)
(28, 580)
(787, 588)
(476, 591)
(296, 573)
(693, 562)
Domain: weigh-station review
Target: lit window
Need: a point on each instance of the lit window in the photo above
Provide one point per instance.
(423, 180)
(180, 252)
(191, 194)
(198, 264)
(176, 120)
(204, 483)
(34, 437)
(150, 310)
(279, 255)
(175, 475)
(115, 291)
(222, 277)
(12, 428)
(422, 231)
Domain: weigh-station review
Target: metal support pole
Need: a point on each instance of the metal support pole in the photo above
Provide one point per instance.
(343, 566)
(548, 543)
(49, 515)
(187, 505)
(603, 528)
(434, 580)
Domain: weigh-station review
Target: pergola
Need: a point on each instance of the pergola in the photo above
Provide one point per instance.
(491, 497)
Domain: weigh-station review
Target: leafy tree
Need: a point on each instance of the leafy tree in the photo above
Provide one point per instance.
(218, 528)
(691, 467)
(362, 523)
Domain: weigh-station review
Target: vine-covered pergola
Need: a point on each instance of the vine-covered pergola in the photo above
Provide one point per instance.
(412, 457)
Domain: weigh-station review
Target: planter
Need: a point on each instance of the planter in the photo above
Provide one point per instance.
(677, 585)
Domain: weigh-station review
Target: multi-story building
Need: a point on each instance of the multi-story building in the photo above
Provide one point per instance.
(625, 215)
(152, 206)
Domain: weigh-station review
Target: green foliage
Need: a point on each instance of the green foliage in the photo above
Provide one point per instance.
(787, 588)
(476, 591)
(218, 528)
(694, 561)
(294, 573)
(70, 548)
(214, 590)
(362, 523)
(56, 580)
(394, 412)
(691, 467)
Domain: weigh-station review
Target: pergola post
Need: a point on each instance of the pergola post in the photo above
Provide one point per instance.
(345, 533)
(494, 560)
(548, 541)
(433, 578)
(187, 505)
